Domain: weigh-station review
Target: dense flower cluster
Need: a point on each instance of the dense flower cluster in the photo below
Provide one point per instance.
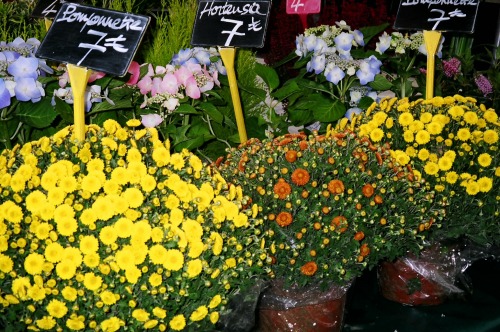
(19, 71)
(453, 144)
(119, 233)
(191, 73)
(333, 205)
(330, 50)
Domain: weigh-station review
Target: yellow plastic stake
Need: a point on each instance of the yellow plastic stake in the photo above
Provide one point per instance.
(431, 39)
(228, 54)
(78, 77)
(48, 23)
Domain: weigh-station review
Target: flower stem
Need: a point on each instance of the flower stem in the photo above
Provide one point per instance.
(4, 133)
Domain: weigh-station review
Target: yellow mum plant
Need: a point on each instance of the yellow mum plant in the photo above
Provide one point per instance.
(333, 205)
(116, 233)
(453, 144)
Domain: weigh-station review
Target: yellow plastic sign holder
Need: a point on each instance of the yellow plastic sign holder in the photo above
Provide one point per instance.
(48, 23)
(431, 40)
(228, 55)
(78, 77)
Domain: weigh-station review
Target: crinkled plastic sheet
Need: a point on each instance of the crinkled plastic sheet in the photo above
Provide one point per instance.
(302, 309)
(432, 276)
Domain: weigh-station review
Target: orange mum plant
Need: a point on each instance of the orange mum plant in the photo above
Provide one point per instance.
(333, 205)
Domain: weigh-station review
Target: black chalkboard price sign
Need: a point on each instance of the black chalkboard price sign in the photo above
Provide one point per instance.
(238, 23)
(49, 8)
(440, 15)
(99, 39)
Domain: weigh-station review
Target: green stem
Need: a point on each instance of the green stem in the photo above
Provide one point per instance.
(4, 134)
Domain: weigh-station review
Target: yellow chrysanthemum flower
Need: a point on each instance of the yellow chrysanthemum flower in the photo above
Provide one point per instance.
(33, 264)
(112, 324)
(194, 268)
(463, 134)
(490, 136)
(91, 281)
(485, 184)
(431, 168)
(200, 313)
(174, 260)
(456, 111)
(57, 309)
(405, 119)
(422, 137)
(177, 323)
(484, 159)
(445, 163)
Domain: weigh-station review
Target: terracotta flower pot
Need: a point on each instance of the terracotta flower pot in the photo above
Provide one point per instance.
(302, 309)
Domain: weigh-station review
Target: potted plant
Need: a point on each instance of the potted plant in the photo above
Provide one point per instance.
(117, 232)
(452, 144)
(333, 205)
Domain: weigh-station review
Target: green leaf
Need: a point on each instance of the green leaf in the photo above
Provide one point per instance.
(38, 115)
(289, 88)
(268, 74)
(186, 109)
(326, 111)
(261, 94)
(106, 106)
(212, 112)
(64, 110)
(372, 31)
(380, 83)
(190, 143)
(365, 102)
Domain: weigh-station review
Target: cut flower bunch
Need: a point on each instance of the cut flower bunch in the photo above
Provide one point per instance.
(333, 205)
(116, 233)
(452, 143)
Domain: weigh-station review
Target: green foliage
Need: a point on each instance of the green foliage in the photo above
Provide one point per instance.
(15, 21)
(171, 30)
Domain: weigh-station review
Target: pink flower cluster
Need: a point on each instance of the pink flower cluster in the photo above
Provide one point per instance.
(166, 85)
(483, 84)
(451, 68)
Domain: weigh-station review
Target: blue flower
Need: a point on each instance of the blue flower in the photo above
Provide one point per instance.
(4, 95)
(317, 64)
(344, 41)
(333, 73)
(27, 89)
(383, 44)
(352, 111)
(310, 42)
(203, 56)
(358, 37)
(365, 76)
(374, 63)
(181, 57)
(24, 68)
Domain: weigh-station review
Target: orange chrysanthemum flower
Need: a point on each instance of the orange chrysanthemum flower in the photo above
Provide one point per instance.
(359, 236)
(284, 219)
(378, 199)
(364, 250)
(300, 176)
(340, 223)
(291, 156)
(303, 145)
(282, 189)
(368, 190)
(309, 268)
(336, 186)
